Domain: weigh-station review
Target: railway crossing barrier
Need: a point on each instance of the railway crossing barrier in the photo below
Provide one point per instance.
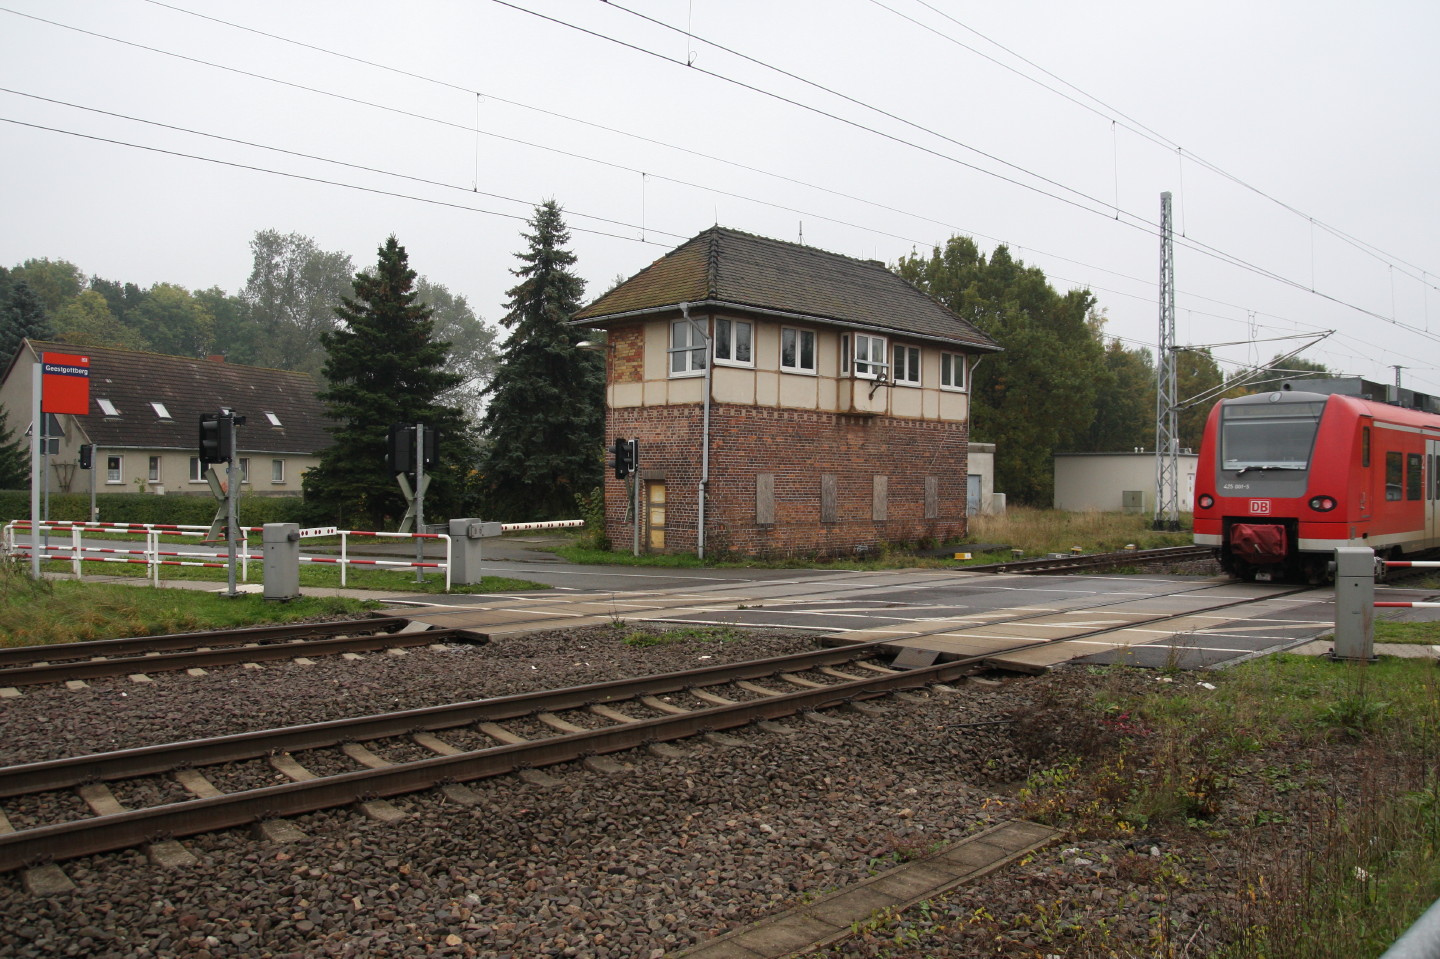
(280, 549)
(1355, 603)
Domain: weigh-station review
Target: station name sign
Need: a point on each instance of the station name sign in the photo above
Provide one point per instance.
(65, 383)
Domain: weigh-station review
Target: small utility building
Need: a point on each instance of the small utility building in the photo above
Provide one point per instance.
(1118, 482)
(784, 399)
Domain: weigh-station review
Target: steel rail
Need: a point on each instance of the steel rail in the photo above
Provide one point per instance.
(145, 760)
(230, 656)
(1060, 564)
(136, 827)
(26, 655)
(123, 830)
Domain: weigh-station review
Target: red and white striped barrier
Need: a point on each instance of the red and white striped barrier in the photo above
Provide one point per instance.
(1411, 605)
(78, 553)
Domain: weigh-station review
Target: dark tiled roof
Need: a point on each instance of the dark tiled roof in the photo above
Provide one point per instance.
(748, 270)
(188, 387)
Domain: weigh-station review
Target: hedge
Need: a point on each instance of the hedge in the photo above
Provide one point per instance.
(146, 508)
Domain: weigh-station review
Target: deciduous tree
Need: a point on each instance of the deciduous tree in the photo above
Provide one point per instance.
(544, 426)
(1039, 395)
(292, 295)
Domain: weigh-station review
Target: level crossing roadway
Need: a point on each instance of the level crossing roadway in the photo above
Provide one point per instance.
(1202, 621)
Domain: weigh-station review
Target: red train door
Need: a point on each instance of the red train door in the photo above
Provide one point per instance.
(1432, 492)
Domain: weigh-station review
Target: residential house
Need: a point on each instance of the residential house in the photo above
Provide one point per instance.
(144, 420)
(785, 400)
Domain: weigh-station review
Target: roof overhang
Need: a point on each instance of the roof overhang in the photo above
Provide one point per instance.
(675, 308)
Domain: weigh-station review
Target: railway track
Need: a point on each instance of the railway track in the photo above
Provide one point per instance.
(1083, 561)
(224, 782)
(142, 655)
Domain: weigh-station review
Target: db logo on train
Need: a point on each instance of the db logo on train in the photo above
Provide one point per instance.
(1259, 506)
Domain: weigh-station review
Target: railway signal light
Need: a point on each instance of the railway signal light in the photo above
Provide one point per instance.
(627, 453)
(400, 453)
(217, 437)
(87, 456)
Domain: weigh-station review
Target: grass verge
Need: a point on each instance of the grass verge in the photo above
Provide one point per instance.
(1317, 782)
(65, 611)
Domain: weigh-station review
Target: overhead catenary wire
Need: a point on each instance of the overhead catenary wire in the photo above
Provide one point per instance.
(809, 214)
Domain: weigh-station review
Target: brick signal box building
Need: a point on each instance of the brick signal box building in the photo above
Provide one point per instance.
(784, 400)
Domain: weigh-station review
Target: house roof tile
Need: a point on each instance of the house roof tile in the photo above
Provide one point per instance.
(731, 267)
(185, 388)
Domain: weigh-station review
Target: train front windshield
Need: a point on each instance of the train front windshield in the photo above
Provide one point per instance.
(1270, 436)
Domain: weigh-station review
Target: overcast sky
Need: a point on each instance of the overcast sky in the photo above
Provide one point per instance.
(1297, 136)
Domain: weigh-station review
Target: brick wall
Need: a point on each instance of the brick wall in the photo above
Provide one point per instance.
(627, 354)
(796, 447)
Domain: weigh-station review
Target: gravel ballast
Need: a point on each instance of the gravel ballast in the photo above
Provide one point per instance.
(637, 864)
(641, 864)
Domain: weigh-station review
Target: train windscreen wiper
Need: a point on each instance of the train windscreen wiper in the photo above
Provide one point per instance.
(1256, 467)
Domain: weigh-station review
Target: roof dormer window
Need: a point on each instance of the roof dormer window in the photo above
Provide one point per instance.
(161, 411)
(274, 420)
(107, 407)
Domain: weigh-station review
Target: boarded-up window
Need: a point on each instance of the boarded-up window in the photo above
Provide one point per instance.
(829, 499)
(932, 497)
(765, 498)
(880, 499)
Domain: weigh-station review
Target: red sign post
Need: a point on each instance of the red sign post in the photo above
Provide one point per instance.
(65, 383)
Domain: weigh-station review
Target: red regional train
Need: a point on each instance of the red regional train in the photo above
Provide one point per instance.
(1286, 477)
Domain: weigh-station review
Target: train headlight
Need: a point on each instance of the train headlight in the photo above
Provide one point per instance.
(1206, 501)
(1323, 504)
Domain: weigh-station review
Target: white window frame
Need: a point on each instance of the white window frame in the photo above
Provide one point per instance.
(114, 469)
(154, 469)
(277, 471)
(905, 362)
(952, 364)
(859, 350)
(274, 420)
(244, 462)
(160, 410)
(106, 407)
(800, 338)
(197, 475)
(731, 336)
(687, 349)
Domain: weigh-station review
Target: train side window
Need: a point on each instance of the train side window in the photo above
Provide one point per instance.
(1365, 446)
(1414, 476)
(1394, 475)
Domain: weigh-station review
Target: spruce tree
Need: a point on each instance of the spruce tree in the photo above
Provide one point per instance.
(544, 426)
(384, 366)
(22, 317)
(14, 457)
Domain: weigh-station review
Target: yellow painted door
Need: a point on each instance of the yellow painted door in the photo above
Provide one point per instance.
(655, 514)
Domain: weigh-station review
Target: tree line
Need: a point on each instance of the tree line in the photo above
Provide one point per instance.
(521, 428)
(522, 424)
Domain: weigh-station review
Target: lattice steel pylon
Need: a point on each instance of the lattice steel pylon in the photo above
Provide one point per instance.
(1167, 432)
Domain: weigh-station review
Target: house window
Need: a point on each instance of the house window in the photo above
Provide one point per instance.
(160, 411)
(867, 353)
(952, 371)
(907, 365)
(733, 340)
(244, 469)
(197, 475)
(113, 472)
(797, 350)
(687, 349)
(869, 356)
(154, 469)
(274, 420)
(107, 407)
(277, 471)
